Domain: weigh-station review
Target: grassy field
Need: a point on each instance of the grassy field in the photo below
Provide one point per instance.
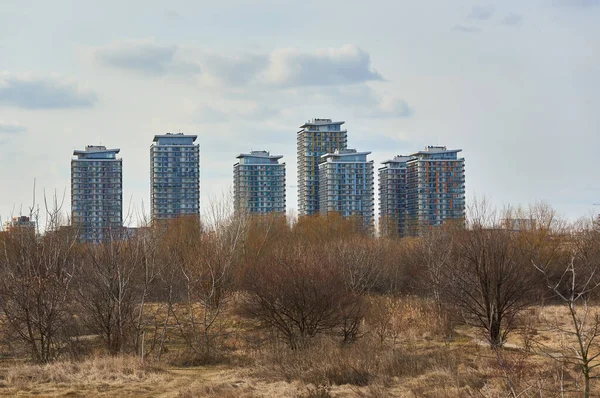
(406, 357)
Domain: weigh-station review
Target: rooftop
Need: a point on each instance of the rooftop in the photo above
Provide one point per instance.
(259, 154)
(91, 150)
(345, 152)
(174, 136)
(434, 150)
(398, 159)
(320, 122)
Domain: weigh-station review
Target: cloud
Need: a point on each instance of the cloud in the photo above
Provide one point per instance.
(360, 100)
(43, 93)
(236, 69)
(391, 107)
(11, 128)
(481, 13)
(333, 66)
(146, 57)
(282, 68)
(249, 111)
(512, 19)
(578, 3)
(466, 29)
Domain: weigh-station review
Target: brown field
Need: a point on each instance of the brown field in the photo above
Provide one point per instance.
(409, 357)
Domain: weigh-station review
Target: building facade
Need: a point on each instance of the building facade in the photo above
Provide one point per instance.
(21, 223)
(174, 176)
(97, 193)
(346, 183)
(435, 188)
(316, 138)
(518, 224)
(259, 183)
(393, 196)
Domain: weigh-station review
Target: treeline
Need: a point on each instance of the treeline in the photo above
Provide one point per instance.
(180, 280)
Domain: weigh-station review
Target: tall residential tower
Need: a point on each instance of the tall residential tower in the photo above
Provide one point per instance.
(316, 138)
(436, 187)
(393, 196)
(259, 183)
(174, 176)
(97, 193)
(346, 185)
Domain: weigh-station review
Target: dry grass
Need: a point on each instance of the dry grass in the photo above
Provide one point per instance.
(98, 374)
(407, 358)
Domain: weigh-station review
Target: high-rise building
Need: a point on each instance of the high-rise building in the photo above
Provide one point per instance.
(316, 138)
(393, 196)
(346, 185)
(259, 183)
(174, 176)
(97, 193)
(436, 187)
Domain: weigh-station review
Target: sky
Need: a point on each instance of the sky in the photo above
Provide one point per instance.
(515, 84)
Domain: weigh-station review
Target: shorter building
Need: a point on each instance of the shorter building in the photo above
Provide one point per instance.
(97, 193)
(518, 224)
(259, 183)
(174, 176)
(346, 185)
(393, 196)
(435, 188)
(21, 223)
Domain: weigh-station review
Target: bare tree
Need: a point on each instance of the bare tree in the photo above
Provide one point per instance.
(488, 280)
(111, 288)
(206, 258)
(436, 254)
(575, 287)
(36, 276)
(360, 260)
(299, 292)
(208, 272)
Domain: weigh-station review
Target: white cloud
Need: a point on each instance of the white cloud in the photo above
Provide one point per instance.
(146, 57)
(43, 93)
(361, 100)
(288, 67)
(333, 66)
(390, 106)
(229, 111)
(237, 69)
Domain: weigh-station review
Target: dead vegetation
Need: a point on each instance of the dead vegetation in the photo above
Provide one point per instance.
(250, 307)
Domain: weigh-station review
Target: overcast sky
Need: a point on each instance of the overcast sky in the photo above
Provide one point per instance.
(514, 83)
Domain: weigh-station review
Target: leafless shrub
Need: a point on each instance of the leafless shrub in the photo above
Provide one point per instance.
(298, 291)
(106, 292)
(36, 274)
(208, 270)
(576, 287)
(487, 279)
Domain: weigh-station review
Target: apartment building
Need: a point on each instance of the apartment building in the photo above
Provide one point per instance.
(174, 176)
(316, 138)
(259, 183)
(393, 193)
(346, 183)
(435, 187)
(97, 193)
